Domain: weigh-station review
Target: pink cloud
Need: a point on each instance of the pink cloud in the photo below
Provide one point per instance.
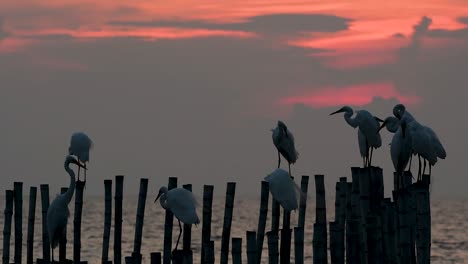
(354, 95)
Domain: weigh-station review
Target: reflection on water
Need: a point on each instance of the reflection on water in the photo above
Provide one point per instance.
(449, 228)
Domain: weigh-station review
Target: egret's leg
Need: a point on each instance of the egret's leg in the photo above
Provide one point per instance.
(410, 159)
(419, 169)
(289, 165)
(79, 172)
(424, 170)
(180, 233)
(370, 160)
(364, 161)
(279, 160)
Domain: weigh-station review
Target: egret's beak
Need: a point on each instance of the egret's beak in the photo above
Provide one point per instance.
(337, 111)
(157, 197)
(378, 119)
(382, 126)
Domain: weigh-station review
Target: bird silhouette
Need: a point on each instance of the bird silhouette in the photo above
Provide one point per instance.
(284, 189)
(80, 145)
(283, 140)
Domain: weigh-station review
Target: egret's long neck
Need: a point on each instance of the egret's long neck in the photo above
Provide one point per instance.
(163, 201)
(71, 189)
(393, 125)
(351, 121)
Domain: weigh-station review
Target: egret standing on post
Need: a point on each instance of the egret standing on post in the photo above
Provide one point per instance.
(58, 213)
(283, 189)
(181, 203)
(80, 145)
(283, 140)
(368, 133)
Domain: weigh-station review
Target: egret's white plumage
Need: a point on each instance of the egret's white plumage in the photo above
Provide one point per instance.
(283, 189)
(283, 140)
(80, 145)
(424, 141)
(181, 203)
(58, 213)
(368, 131)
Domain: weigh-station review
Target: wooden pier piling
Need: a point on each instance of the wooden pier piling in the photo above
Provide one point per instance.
(140, 217)
(107, 220)
(155, 258)
(354, 222)
(251, 247)
(423, 224)
(18, 215)
(9, 196)
(77, 221)
(236, 250)
(206, 224)
(273, 253)
(228, 212)
(319, 240)
(118, 219)
(209, 256)
(264, 195)
(169, 218)
(275, 214)
(364, 205)
(45, 235)
(187, 254)
(285, 244)
(63, 239)
(31, 218)
(299, 245)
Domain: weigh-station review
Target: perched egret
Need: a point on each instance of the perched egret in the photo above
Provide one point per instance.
(400, 148)
(181, 203)
(368, 132)
(283, 140)
(283, 189)
(80, 144)
(58, 213)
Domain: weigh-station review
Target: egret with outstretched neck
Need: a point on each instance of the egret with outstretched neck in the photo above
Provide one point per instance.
(181, 203)
(58, 213)
(368, 131)
(283, 140)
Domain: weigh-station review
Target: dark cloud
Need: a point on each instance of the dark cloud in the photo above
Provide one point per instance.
(463, 19)
(267, 24)
(419, 30)
(445, 33)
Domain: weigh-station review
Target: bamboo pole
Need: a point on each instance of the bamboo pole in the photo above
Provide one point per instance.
(155, 257)
(424, 221)
(349, 187)
(228, 210)
(187, 237)
(206, 225)
(334, 250)
(9, 194)
(63, 239)
(273, 252)
(275, 214)
(209, 256)
(77, 222)
(31, 218)
(45, 236)
(340, 218)
(303, 201)
(265, 188)
(299, 245)
(169, 218)
(354, 222)
(285, 244)
(118, 219)
(18, 203)
(319, 241)
(140, 217)
(374, 244)
(237, 250)
(107, 219)
(364, 205)
(404, 232)
(251, 247)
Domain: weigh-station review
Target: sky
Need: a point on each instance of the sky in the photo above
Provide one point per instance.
(192, 88)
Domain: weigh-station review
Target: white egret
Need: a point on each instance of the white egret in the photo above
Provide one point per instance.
(80, 145)
(181, 203)
(283, 189)
(283, 140)
(368, 132)
(58, 213)
(400, 147)
(424, 141)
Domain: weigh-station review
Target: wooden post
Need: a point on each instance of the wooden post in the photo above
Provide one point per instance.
(303, 201)
(423, 221)
(169, 218)
(340, 218)
(155, 257)
(237, 250)
(31, 218)
(334, 251)
(349, 187)
(265, 188)
(107, 219)
(63, 239)
(77, 222)
(354, 227)
(376, 191)
(285, 245)
(140, 217)
(319, 241)
(118, 219)
(187, 254)
(388, 232)
(251, 247)
(275, 214)
(404, 231)
(18, 203)
(45, 235)
(374, 240)
(209, 257)
(273, 252)
(206, 225)
(364, 205)
(228, 209)
(7, 225)
(299, 245)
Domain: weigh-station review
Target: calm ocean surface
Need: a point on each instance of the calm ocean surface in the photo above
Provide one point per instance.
(449, 228)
